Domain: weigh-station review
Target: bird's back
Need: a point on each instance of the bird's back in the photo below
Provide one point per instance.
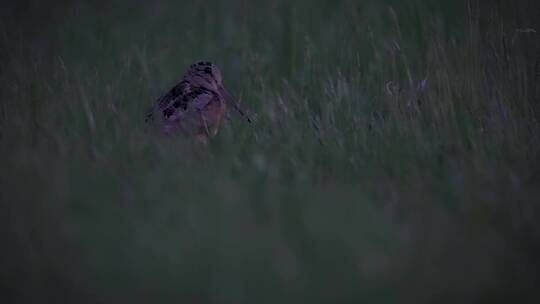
(191, 105)
(195, 105)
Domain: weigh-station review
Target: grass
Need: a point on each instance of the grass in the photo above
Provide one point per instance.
(395, 154)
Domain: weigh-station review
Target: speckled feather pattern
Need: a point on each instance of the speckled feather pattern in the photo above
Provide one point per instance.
(195, 106)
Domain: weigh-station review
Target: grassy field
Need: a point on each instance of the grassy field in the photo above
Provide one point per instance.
(395, 154)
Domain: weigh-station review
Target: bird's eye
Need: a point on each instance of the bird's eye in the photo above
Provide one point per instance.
(208, 70)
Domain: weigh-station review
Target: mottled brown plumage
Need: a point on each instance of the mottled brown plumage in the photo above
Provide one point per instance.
(196, 105)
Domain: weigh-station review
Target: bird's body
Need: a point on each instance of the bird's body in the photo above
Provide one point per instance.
(196, 105)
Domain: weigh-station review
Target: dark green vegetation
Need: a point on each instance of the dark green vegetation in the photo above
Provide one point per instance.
(395, 155)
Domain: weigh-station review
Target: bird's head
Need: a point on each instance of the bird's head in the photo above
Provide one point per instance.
(207, 75)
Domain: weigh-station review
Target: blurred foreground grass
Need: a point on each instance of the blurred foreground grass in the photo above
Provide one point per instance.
(395, 154)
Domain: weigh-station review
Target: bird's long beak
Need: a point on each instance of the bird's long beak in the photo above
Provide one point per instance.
(229, 99)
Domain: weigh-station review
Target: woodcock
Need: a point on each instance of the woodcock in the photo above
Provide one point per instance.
(195, 106)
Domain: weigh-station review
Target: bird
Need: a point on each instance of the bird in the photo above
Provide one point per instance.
(196, 105)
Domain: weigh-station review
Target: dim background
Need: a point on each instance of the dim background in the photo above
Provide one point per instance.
(394, 154)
